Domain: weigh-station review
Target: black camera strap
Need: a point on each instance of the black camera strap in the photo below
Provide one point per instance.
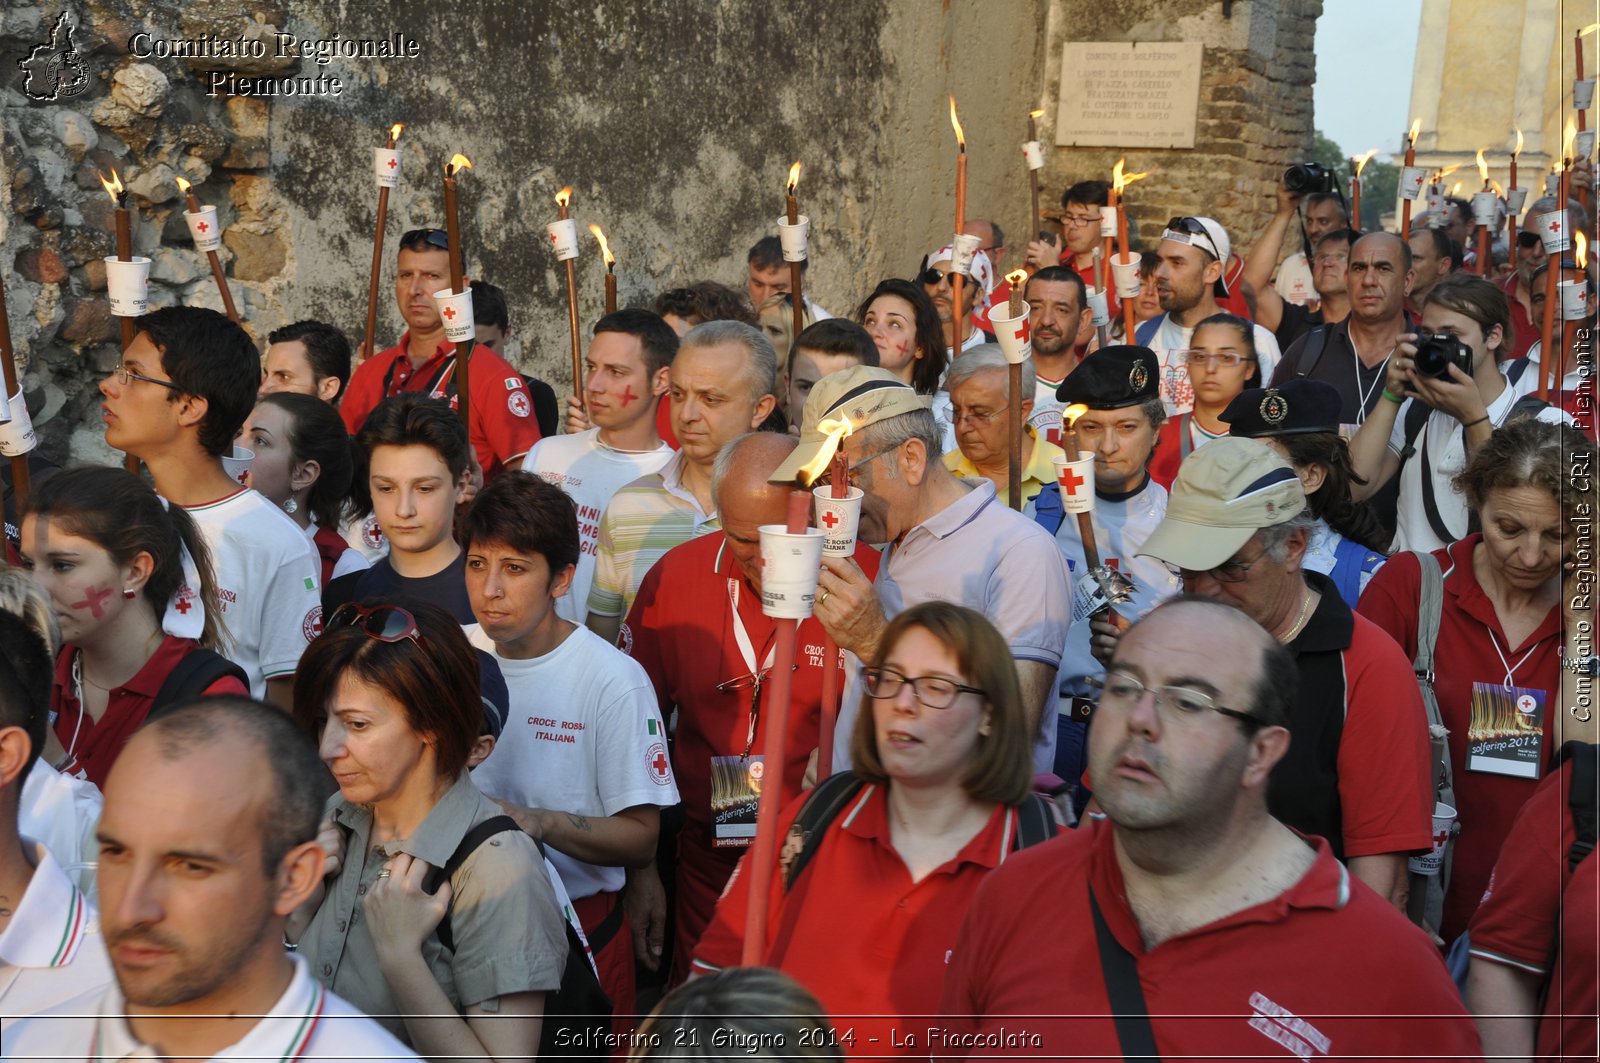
(1120, 969)
(1430, 503)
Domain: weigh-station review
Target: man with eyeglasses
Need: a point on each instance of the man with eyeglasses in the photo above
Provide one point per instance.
(1190, 279)
(1326, 269)
(1358, 772)
(1080, 230)
(502, 424)
(949, 539)
(1320, 213)
(979, 383)
(1193, 921)
(698, 630)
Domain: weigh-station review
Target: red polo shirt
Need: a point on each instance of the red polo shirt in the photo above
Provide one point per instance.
(93, 745)
(856, 930)
(1537, 917)
(1470, 649)
(681, 630)
(1296, 976)
(1524, 330)
(502, 422)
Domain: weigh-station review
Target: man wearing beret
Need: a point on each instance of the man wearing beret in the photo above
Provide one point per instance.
(1118, 385)
(1358, 769)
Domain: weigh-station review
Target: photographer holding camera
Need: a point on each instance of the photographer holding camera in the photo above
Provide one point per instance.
(1445, 394)
(1308, 187)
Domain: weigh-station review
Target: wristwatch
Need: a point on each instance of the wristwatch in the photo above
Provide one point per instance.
(1585, 666)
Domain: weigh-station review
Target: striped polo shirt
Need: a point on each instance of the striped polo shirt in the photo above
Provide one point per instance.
(643, 521)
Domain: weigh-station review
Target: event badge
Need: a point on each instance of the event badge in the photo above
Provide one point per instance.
(735, 794)
(1506, 735)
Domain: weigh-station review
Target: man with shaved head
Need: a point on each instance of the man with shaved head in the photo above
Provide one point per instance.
(207, 844)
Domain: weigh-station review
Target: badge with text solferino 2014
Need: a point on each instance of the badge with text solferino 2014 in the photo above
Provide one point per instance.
(735, 796)
(1506, 735)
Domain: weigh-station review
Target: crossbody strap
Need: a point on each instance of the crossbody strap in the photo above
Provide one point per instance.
(1121, 973)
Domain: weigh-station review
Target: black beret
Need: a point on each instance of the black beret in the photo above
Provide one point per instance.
(1113, 377)
(1294, 407)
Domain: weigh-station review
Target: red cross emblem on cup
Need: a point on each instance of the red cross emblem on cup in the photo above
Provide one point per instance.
(203, 226)
(830, 518)
(391, 164)
(1071, 481)
(449, 313)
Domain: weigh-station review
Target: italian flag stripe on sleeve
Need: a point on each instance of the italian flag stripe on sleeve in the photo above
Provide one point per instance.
(652, 726)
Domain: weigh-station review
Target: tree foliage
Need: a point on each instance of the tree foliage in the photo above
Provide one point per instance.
(1380, 181)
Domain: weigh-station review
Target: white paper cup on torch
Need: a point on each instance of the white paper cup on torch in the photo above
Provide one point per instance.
(128, 285)
(564, 237)
(1574, 300)
(1033, 151)
(386, 167)
(839, 519)
(1583, 144)
(236, 463)
(16, 430)
(790, 565)
(1444, 818)
(962, 249)
(1077, 482)
(1553, 231)
(1552, 183)
(1099, 308)
(1515, 198)
(1108, 222)
(204, 229)
(1582, 94)
(455, 310)
(1411, 178)
(795, 239)
(1011, 333)
(1126, 272)
(1485, 208)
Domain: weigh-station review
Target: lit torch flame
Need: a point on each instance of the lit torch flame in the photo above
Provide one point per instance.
(457, 163)
(1416, 127)
(961, 138)
(1483, 167)
(1455, 190)
(1120, 180)
(1518, 149)
(564, 196)
(1498, 190)
(794, 179)
(833, 430)
(394, 130)
(1035, 114)
(1073, 412)
(113, 187)
(1580, 247)
(605, 248)
(183, 186)
(1017, 277)
(1361, 163)
(1589, 29)
(1567, 139)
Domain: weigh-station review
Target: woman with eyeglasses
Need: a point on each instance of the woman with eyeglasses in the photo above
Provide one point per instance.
(392, 695)
(879, 863)
(1514, 659)
(130, 580)
(1221, 362)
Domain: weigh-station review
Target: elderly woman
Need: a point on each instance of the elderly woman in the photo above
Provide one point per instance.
(393, 695)
(776, 318)
(1512, 609)
(979, 384)
(879, 865)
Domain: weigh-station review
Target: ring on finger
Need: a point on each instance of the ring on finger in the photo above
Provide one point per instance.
(383, 873)
(822, 598)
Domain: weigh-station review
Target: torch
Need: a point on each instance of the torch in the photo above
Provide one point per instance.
(203, 227)
(1484, 204)
(794, 234)
(457, 163)
(1033, 152)
(16, 432)
(127, 277)
(1011, 332)
(838, 511)
(1105, 587)
(1554, 232)
(611, 269)
(1582, 89)
(386, 172)
(564, 236)
(959, 263)
(1356, 166)
(1514, 198)
(1574, 303)
(1410, 179)
(1125, 266)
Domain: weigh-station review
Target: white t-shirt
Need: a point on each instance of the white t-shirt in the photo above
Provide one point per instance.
(583, 735)
(1046, 416)
(1443, 443)
(51, 950)
(268, 580)
(61, 813)
(590, 472)
(1294, 280)
(1170, 337)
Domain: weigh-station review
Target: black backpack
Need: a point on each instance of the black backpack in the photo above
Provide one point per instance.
(1582, 798)
(190, 678)
(577, 1016)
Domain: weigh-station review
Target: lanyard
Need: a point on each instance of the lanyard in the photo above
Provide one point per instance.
(1511, 669)
(1365, 393)
(747, 650)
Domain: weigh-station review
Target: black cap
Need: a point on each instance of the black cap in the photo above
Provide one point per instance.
(1295, 407)
(1113, 377)
(496, 696)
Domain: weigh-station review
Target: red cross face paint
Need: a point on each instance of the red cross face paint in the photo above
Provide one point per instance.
(84, 584)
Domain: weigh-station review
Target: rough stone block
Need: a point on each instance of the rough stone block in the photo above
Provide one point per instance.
(42, 265)
(94, 274)
(141, 88)
(76, 133)
(248, 154)
(257, 257)
(172, 266)
(88, 321)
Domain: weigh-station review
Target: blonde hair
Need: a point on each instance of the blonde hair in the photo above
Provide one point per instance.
(23, 598)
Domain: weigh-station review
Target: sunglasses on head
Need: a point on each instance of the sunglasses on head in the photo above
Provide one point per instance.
(437, 237)
(1193, 227)
(1527, 241)
(385, 623)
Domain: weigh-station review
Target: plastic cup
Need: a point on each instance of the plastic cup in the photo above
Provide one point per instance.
(1485, 208)
(1033, 152)
(16, 429)
(1583, 144)
(1552, 229)
(1552, 184)
(794, 238)
(1444, 818)
(1515, 198)
(962, 250)
(1108, 222)
(1099, 308)
(236, 463)
(790, 564)
(1582, 94)
(1411, 178)
(1126, 273)
(564, 237)
(455, 310)
(204, 229)
(1010, 332)
(1574, 300)
(386, 167)
(839, 519)
(128, 285)
(1077, 482)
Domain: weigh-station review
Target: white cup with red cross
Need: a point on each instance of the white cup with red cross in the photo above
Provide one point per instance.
(1485, 209)
(16, 430)
(204, 229)
(236, 463)
(1574, 300)
(1552, 228)
(839, 518)
(1444, 818)
(1583, 144)
(795, 239)
(455, 310)
(1099, 309)
(1515, 198)
(563, 238)
(1108, 222)
(1411, 178)
(790, 565)
(1582, 94)
(1126, 272)
(386, 167)
(128, 285)
(1077, 482)
(1010, 332)
(1033, 152)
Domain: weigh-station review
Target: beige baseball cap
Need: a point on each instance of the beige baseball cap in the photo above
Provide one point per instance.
(1225, 492)
(841, 403)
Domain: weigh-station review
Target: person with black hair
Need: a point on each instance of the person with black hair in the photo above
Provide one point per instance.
(50, 944)
(769, 275)
(1319, 213)
(424, 362)
(303, 464)
(905, 326)
(1080, 230)
(1433, 256)
(176, 401)
(1221, 362)
(822, 348)
(1058, 313)
(492, 321)
(308, 357)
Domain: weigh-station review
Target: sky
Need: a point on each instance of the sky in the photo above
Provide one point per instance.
(1373, 115)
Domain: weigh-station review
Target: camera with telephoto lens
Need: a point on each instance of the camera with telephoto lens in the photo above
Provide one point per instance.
(1308, 177)
(1438, 351)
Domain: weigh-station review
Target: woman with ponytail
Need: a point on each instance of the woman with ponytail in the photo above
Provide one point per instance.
(130, 581)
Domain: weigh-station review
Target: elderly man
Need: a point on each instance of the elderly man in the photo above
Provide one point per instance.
(208, 842)
(1191, 922)
(698, 630)
(722, 384)
(951, 540)
(980, 396)
(1358, 771)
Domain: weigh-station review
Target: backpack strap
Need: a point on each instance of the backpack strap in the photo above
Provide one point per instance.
(193, 676)
(1035, 822)
(1582, 798)
(1430, 606)
(1316, 342)
(822, 806)
(1350, 560)
(1147, 330)
(436, 876)
(1047, 511)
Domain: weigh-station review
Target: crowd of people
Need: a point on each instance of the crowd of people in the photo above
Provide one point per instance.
(351, 727)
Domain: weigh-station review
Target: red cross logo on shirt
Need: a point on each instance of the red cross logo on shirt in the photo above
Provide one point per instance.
(203, 226)
(830, 518)
(449, 313)
(660, 763)
(391, 164)
(1071, 481)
